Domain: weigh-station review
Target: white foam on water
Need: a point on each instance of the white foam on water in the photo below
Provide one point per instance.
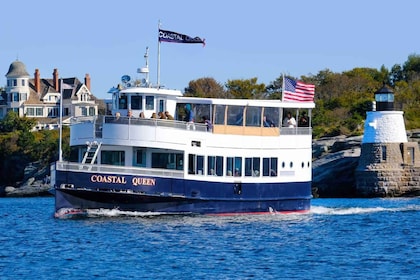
(321, 210)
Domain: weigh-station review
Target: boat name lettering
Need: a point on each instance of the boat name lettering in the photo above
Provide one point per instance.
(137, 181)
(108, 179)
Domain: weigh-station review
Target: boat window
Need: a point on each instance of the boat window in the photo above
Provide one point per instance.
(219, 114)
(215, 165)
(272, 116)
(202, 111)
(233, 166)
(195, 164)
(113, 157)
(235, 115)
(167, 161)
(270, 167)
(253, 116)
(162, 105)
(139, 157)
(122, 103)
(150, 102)
(252, 167)
(137, 102)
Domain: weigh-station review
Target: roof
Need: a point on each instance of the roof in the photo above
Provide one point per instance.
(17, 69)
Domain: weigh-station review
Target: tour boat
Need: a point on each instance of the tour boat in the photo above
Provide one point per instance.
(202, 156)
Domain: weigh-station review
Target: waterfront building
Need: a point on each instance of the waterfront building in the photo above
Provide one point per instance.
(40, 97)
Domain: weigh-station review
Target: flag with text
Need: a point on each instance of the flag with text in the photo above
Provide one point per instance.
(173, 37)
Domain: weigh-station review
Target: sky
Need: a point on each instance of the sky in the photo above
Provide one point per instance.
(244, 39)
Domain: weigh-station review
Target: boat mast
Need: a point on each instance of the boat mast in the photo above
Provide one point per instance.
(158, 59)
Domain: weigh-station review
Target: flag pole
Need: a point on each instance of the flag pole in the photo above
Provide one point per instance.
(60, 150)
(282, 89)
(158, 58)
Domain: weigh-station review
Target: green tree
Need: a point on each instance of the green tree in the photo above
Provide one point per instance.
(245, 89)
(205, 87)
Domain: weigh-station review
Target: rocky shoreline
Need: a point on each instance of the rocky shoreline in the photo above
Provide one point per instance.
(333, 171)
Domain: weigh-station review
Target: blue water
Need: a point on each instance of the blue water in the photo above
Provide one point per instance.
(338, 239)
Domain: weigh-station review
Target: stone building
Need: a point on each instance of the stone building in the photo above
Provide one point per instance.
(40, 97)
(389, 165)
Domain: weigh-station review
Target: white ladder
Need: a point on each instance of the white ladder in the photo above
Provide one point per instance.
(91, 152)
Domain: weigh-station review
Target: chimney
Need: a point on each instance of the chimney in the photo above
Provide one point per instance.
(37, 81)
(55, 80)
(87, 81)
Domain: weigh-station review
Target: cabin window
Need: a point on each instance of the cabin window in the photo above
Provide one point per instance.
(122, 103)
(139, 157)
(167, 161)
(270, 167)
(136, 102)
(150, 102)
(195, 164)
(253, 116)
(215, 165)
(113, 157)
(162, 106)
(233, 166)
(272, 116)
(235, 115)
(219, 114)
(252, 167)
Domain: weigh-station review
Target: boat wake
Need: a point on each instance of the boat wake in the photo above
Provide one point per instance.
(321, 210)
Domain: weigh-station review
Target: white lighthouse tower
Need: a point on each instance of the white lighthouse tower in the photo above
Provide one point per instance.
(389, 165)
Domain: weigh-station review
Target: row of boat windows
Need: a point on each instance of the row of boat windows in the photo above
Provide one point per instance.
(204, 165)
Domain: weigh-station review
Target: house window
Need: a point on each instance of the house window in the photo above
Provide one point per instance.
(23, 82)
(14, 82)
(30, 112)
(15, 96)
(84, 111)
(91, 111)
(39, 112)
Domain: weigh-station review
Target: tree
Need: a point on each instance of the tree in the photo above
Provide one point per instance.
(245, 89)
(205, 87)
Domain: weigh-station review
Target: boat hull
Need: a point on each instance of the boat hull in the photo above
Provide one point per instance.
(177, 195)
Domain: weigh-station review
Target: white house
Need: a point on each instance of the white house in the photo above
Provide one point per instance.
(40, 97)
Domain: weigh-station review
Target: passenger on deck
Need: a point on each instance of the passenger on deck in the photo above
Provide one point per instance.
(207, 123)
(267, 122)
(190, 113)
(129, 113)
(304, 120)
(168, 116)
(141, 116)
(117, 116)
(162, 116)
(289, 121)
(153, 116)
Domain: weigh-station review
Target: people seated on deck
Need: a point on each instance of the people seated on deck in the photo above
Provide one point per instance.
(289, 120)
(117, 116)
(267, 122)
(153, 116)
(141, 115)
(303, 120)
(169, 116)
(161, 116)
(129, 113)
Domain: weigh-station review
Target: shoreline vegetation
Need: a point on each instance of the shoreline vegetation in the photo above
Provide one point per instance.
(342, 100)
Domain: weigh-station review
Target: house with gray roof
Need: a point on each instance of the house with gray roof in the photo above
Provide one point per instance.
(40, 97)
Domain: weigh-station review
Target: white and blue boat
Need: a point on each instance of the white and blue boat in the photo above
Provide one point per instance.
(206, 156)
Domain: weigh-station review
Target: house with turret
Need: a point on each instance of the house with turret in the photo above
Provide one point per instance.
(39, 98)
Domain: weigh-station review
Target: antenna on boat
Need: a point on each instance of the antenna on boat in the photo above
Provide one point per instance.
(145, 70)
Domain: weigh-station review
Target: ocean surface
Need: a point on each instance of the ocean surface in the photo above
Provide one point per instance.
(338, 239)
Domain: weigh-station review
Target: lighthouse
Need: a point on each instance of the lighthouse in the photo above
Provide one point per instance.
(389, 165)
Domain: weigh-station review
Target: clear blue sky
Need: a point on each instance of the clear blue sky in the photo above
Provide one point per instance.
(244, 39)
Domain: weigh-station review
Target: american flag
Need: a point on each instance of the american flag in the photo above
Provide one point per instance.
(297, 91)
